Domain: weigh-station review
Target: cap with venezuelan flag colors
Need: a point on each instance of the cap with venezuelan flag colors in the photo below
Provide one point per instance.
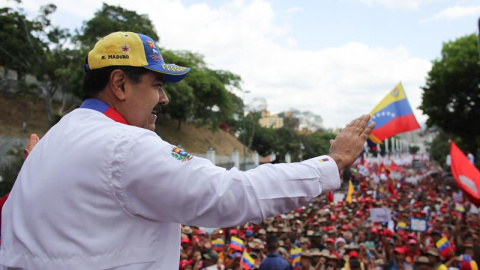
(132, 49)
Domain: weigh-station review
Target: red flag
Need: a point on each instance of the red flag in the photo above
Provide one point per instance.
(391, 188)
(393, 166)
(329, 196)
(465, 174)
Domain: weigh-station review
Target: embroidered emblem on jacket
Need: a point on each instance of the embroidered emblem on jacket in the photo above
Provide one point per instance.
(181, 155)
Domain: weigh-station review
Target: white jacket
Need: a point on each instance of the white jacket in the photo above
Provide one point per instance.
(97, 194)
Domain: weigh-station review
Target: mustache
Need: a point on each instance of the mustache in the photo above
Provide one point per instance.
(157, 109)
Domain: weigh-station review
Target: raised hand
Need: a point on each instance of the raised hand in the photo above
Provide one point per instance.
(347, 146)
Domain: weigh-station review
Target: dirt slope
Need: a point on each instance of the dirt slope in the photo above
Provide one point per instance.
(192, 139)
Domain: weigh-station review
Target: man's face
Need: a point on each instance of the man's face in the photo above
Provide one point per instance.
(433, 259)
(399, 256)
(143, 100)
(422, 266)
(331, 265)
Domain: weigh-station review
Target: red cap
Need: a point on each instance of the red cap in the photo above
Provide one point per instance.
(186, 240)
(353, 254)
(400, 250)
(374, 230)
(333, 218)
(233, 232)
(387, 233)
(412, 242)
(330, 240)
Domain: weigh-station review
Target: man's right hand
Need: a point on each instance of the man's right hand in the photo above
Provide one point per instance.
(348, 145)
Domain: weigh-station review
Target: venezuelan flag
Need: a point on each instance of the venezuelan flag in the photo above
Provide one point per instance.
(296, 254)
(236, 243)
(218, 244)
(392, 115)
(401, 226)
(350, 192)
(444, 247)
(247, 261)
(467, 260)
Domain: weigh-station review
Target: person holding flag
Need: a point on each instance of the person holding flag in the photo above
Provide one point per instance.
(247, 261)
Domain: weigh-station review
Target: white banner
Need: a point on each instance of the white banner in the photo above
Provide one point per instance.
(338, 197)
(380, 214)
(418, 225)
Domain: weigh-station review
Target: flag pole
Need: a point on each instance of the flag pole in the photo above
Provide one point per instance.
(386, 147)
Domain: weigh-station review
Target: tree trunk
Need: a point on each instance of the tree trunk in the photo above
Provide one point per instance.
(179, 125)
(48, 96)
(24, 116)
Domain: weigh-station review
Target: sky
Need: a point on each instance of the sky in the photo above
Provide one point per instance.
(336, 58)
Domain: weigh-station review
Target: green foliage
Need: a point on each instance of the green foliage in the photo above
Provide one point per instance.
(115, 18)
(317, 143)
(413, 149)
(440, 148)
(286, 140)
(19, 44)
(204, 90)
(10, 170)
(451, 97)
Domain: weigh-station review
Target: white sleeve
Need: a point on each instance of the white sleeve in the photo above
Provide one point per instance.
(160, 184)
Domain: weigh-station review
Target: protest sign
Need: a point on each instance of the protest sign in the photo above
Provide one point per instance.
(380, 214)
(418, 225)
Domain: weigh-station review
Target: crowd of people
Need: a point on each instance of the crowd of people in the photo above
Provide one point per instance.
(428, 225)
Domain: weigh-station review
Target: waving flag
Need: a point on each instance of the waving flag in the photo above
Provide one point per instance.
(350, 192)
(402, 226)
(468, 263)
(218, 244)
(247, 261)
(236, 243)
(466, 175)
(295, 255)
(393, 115)
(444, 247)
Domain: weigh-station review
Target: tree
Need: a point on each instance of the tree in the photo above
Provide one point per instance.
(451, 97)
(38, 48)
(197, 96)
(9, 170)
(440, 148)
(15, 52)
(211, 101)
(115, 18)
(54, 62)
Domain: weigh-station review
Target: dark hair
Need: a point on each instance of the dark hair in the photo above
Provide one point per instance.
(354, 263)
(272, 242)
(95, 80)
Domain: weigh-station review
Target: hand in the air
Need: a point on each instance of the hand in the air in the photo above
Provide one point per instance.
(347, 146)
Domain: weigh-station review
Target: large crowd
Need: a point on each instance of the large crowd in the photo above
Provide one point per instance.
(425, 222)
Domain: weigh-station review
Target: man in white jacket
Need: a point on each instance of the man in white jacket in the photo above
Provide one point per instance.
(101, 190)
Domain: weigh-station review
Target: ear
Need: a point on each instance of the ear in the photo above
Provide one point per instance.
(117, 83)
